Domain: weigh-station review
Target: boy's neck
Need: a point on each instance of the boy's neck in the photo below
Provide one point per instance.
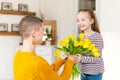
(28, 46)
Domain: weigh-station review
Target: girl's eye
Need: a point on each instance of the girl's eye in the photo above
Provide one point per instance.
(83, 20)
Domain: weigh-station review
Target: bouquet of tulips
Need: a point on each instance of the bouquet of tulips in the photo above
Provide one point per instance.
(77, 45)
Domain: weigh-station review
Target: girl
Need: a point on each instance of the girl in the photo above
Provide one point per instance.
(92, 67)
(29, 66)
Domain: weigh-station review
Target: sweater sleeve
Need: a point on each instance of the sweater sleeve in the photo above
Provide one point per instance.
(57, 64)
(90, 59)
(47, 73)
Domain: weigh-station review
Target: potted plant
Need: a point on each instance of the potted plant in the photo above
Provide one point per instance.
(48, 34)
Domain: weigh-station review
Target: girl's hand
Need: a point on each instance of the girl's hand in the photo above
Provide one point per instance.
(73, 58)
(78, 58)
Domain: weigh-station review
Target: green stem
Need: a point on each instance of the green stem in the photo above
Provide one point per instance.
(76, 72)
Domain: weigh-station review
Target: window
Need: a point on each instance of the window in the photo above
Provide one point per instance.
(87, 4)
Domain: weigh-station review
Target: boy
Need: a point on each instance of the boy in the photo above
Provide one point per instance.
(28, 65)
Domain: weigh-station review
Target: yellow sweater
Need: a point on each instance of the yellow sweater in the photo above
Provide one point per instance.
(29, 66)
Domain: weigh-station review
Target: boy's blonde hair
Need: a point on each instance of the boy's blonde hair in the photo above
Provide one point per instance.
(27, 24)
(95, 26)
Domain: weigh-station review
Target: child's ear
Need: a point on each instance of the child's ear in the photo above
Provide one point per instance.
(33, 33)
(92, 21)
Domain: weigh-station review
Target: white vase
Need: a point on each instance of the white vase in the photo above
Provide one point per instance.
(48, 43)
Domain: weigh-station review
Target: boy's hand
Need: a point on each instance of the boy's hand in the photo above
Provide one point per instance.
(64, 57)
(75, 58)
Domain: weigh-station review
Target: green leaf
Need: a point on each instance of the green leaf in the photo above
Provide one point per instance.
(71, 46)
(65, 49)
(78, 39)
(48, 33)
(78, 50)
(62, 49)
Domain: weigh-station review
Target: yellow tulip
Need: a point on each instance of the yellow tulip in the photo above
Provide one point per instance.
(57, 53)
(92, 46)
(94, 50)
(81, 35)
(87, 41)
(76, 44)
(96, 54)
(63, 43)
(85, 46)
(80, 43)
(72, 37)
(66, 39)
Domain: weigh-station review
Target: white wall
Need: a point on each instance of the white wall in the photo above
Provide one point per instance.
(8, 44)
(109, 22)
(64, 12)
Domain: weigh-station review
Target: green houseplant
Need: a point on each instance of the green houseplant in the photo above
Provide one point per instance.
(48, 34)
